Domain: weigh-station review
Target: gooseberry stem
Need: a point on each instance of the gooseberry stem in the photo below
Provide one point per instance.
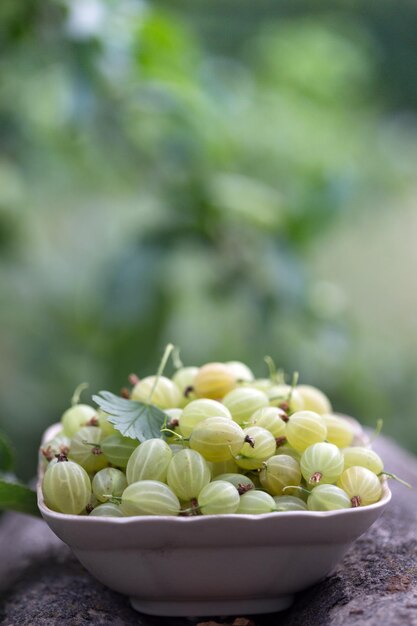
(176, 358)
(294, 382)
(113, 499)
(306, 491)
(171, 432)
(271, 367)
(89, 443)
(403, 482)
(77, 393)
(96, 447)
(165, 357)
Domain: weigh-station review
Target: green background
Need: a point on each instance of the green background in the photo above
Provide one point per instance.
(235, 177)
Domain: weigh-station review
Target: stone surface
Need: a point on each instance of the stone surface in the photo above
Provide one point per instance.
(375, 584)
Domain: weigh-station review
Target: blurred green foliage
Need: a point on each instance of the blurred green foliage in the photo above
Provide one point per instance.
(157, 186)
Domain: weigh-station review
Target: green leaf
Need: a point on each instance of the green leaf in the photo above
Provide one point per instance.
(16, 497)
(137, 420)
(6, 454)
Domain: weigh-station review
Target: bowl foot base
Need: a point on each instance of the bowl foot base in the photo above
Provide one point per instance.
(209, 608)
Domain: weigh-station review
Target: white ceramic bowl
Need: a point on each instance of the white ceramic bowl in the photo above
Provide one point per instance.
(211, 565)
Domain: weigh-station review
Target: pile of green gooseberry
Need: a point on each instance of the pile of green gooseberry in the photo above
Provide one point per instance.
(231, 444)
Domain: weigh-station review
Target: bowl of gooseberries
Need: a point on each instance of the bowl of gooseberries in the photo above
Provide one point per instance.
(210, 492)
